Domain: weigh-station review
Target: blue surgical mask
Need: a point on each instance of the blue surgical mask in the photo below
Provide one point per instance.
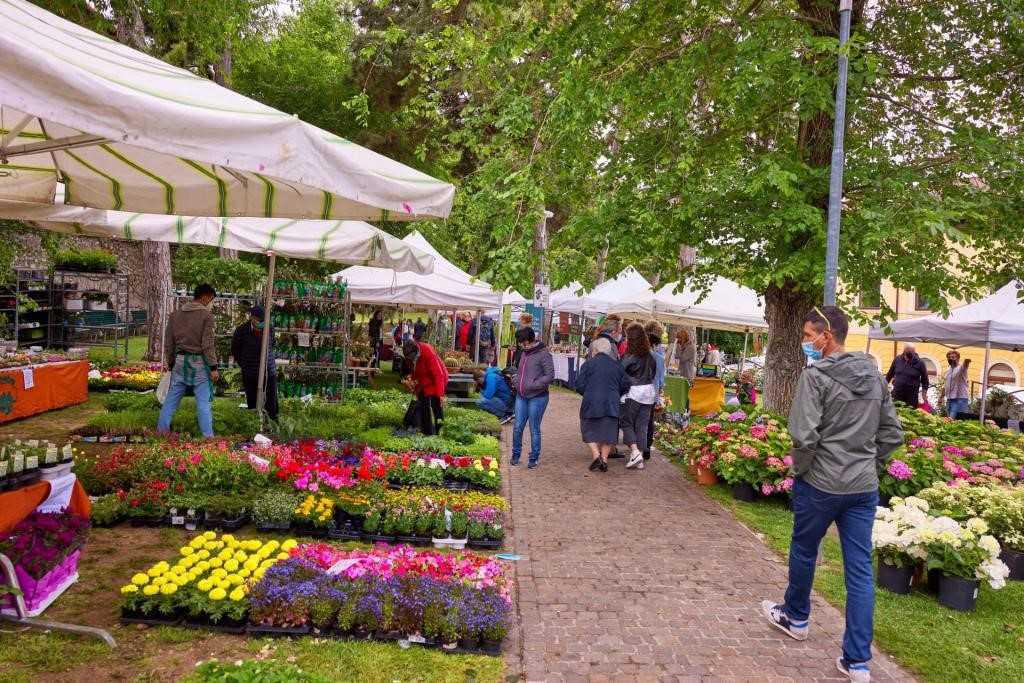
(810, 351)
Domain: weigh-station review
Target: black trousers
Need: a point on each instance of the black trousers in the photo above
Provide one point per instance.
(251, 380)
(426, 414)
(650, 433)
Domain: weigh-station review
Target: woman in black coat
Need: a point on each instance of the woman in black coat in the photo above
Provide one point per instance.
(602, 382)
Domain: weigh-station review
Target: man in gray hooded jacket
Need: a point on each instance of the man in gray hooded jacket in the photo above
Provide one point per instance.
(844, 427)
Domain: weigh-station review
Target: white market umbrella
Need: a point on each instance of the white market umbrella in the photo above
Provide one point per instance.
(343, 241)
(126, 131)
(995, 322)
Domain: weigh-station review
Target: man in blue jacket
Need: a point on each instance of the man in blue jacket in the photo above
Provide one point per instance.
(495, 393)
(245, 349)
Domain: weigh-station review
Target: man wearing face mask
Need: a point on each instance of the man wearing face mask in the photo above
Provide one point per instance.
(245, 349)
(909, 377)
(192, 359)
(844, 428)
(954, 390)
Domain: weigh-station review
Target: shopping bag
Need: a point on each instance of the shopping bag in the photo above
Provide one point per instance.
(163, 387)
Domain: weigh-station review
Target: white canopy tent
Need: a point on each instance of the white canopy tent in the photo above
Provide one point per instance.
(126, 131)
(620, 293)
(995, 322)
(727, 306)
(448, 287)
(343, 241)
(568, 299)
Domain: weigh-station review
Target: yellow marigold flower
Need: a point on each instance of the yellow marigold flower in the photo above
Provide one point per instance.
(237, 594)
(218, 594)
(258, 574)
(205, 585)
(244, 573)
(159, 581)
(225, 554)
(197, 542)
(219, 572)
(254, 544)
(283, 556)
(203, 554)
(289, 544)
(155, 571)
(202, 566)
(140, 579)
(216, 562)
(231, 565)
(272, 544)
(168, 589)
(252, 563)
(266, 564)
(187, 550)
(228, 538)
(130, 588)
(236, 579)
(241, 557)
(209, 535)
(150, 590)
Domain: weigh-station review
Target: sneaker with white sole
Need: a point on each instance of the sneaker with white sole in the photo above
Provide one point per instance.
(776, 616)
(640, 465)
(634, 460)
(858, 673)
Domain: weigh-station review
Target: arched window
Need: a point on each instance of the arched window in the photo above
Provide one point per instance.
(1002, 373)
(930, 366)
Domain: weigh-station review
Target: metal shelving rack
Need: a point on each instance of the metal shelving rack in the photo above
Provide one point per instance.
(73, 327)
(342, 336)
(33, 284)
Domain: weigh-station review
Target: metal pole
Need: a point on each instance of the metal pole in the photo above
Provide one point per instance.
(984, 382)
(268, 303)
(835, 186)
(743, 358)
(476, 344)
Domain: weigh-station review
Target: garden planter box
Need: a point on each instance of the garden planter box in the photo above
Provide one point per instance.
(485, 543)
(894, 579)
(1014, 559)
(277, 631)
(744, 492)
(957, 593)
(706, 477)
(40, 593)
(377, 538)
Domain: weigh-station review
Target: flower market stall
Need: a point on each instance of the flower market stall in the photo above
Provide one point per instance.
(995, 322)
(36, 383)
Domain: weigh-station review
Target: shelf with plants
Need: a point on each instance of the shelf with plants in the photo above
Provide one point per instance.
(311, 337)
(90, 303)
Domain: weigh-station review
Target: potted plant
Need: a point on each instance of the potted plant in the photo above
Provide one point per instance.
(440, 536)
(1003, 511)
(97, 301)
(895, 538)
(226, 512)
(85, 261)
(273, 511)
(964, 554)
(375, 527)
(405, 528)
(106, 511)
(44, 549)
(460, 530)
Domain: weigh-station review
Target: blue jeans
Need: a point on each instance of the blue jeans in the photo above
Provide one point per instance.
(532, 410)
(854, 514)
(955, 406)
(201, 382)
(494, 406)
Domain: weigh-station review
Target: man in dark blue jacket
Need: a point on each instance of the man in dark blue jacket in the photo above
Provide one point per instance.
(245, 349)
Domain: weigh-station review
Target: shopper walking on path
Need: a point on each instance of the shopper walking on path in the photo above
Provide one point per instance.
(654, 332)
(246, 343)
(686, 355)
(642, 369)
(192, 359)
(844, 427)
(535, 374)
(611, 329)
(602, 382)
(954, 389)
(909, 377)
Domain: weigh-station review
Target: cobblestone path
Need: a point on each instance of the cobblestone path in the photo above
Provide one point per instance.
(640, 576)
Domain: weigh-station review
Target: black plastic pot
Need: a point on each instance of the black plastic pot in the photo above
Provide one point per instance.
(744, 492)
(485, 543)
(378, 538)
(894, 579)
(957, 593)
(151, 619)
(491, 647)
(456, 485)
(1014, 559)
(934, 579)
(408, 540)
(277, 631)
(234, 524)
(283, 526)
(150, 521)
(884, 500)
(344, 534)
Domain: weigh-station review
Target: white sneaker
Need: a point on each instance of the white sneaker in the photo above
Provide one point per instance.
(640, 465)
(858, 673)
(776, 616)
(637, 458)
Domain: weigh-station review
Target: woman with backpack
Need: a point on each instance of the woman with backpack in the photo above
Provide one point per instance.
(641, 368)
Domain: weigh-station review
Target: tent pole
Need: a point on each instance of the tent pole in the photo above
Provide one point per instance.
(984, 382)
(743, 358)
(261, 383)
(476, 344)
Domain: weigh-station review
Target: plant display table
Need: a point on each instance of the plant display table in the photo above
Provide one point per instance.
(53, 385)
(16, 505)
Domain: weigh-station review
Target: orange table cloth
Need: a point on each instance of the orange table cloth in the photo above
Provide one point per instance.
(56, 385)
(18, 504)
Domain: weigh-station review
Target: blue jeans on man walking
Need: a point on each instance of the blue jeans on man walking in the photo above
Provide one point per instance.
(854, 514)
(532, 410)
(200, 377)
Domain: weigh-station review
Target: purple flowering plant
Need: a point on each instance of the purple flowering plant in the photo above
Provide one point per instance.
(43, 540)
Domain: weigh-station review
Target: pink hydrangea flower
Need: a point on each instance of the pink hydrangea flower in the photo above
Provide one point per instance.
(738, 416)
(748, 451)
(786, 485)
(713, 428)
(788, 461)
(900, 470)
(759, 432)
(767, 489)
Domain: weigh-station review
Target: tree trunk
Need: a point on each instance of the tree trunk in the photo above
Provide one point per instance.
(156, 263)
(602, 263)
(785, 308)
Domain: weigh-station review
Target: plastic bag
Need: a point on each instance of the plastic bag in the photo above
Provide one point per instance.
(163, 387)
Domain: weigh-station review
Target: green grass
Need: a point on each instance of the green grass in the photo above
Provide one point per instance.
(105, 355)
(937, 643)
(44, 652)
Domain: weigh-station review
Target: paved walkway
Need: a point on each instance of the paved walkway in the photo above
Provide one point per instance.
(639, 576)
